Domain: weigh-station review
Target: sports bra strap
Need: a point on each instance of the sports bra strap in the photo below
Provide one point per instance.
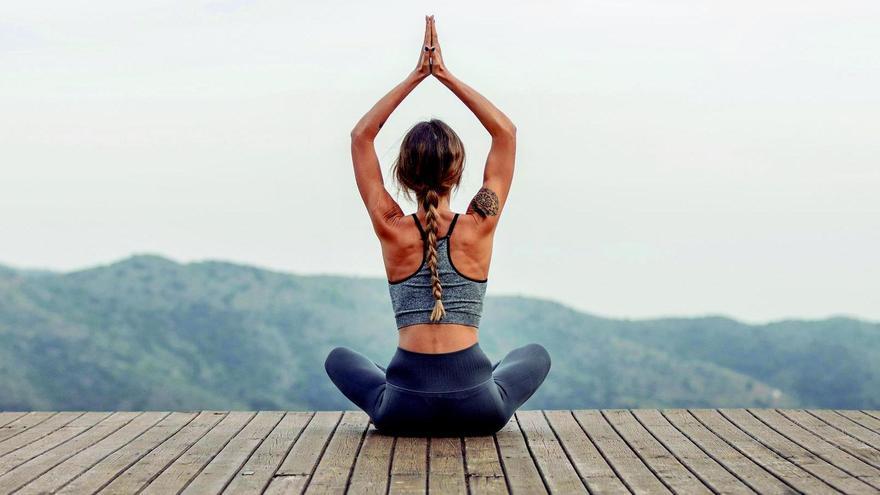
(452, 225)
(422, 231)
(419, 225)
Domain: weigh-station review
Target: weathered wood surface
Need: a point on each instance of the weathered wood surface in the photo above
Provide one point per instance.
(681, 451)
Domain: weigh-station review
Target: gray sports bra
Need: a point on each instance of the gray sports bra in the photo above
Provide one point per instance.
(412, 297)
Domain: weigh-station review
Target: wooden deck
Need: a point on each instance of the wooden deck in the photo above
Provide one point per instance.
(539, 451)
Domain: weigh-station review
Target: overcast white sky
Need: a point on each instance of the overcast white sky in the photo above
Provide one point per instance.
(675, 158)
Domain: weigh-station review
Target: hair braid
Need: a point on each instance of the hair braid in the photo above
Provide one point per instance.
(431, 200)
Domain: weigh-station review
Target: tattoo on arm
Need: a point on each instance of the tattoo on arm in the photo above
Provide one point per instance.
(485, 202)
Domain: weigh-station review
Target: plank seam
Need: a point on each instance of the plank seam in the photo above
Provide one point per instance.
(427, 463)
(661, 480)
(87, 469)
(531, 453)
(863, 425)
(868, 412)
(47, 418)
(214, 455)
(357, 453)
(734, 447)
(135, 461)
(500, 462)
(81, 413)
(287, 450)
(467, 474)
(251, 453)
(324, 450)
(390, 464)
(565, 451)
(157, 473)
(820, 456)
(841, 429)
(768, 447)
(599, 449)
(723, 465)
(677, 458)
(74, 453)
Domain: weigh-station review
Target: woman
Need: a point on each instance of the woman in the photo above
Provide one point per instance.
(439, 382)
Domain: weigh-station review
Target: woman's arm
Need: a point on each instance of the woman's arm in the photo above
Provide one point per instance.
(498, 173)
(381, 206)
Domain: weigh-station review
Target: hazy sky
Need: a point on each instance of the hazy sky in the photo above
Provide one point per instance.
(675, 158)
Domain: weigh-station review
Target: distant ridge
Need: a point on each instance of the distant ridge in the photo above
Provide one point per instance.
(148, 332)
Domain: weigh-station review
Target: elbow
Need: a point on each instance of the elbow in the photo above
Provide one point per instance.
(506, 132)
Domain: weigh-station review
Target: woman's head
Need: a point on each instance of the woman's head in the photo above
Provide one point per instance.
(430, 165)
(431, 159)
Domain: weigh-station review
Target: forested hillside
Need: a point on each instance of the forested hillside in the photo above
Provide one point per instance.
(149, 333)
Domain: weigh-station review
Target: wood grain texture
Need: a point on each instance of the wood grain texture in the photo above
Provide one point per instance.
(607, 451)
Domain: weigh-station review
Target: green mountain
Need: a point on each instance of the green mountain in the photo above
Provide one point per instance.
(149, 333)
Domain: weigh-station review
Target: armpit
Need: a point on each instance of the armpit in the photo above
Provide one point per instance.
(485, 202)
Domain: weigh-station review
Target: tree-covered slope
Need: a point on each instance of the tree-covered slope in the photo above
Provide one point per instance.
(150, 333)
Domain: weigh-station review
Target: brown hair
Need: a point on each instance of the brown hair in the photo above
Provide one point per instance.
(430, 164)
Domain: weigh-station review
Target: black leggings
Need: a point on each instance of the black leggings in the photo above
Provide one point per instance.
(446, 394)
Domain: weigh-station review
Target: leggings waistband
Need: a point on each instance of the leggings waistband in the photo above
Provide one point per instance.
(442, 372)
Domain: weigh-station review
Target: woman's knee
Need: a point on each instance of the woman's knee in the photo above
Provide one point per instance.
(540, 354)
(535, 354)
(336, 357)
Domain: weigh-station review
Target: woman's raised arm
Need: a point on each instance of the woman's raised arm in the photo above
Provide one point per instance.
(498, 174)
(368, 173)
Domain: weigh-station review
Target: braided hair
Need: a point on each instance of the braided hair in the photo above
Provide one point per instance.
(432, 199)
(430, 163)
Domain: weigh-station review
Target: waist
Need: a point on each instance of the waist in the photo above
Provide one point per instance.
(439, 372)
(436, 337)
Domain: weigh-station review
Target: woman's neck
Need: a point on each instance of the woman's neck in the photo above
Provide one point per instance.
(442, 207)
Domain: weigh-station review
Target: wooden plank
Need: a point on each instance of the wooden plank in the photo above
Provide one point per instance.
(789, 472)
(834, 435)
(866, 420)
(851, 465)
(586, 458)
(522, 472)
(255, 475)
(34, 429)
(796, 453)
(702, 465)
(176, 476)
(214, 477)
(793, 452)
(446, 465)
(27, 452)
(8, 417)
(23, 423)
(484, 473)
(149, 466)
(104, 471)
(31, 469)
(628, 466)
(557, 470)
(296, 469)
(61, 474)
(658, 459)
(741, 466)
(871, 412)
(335, 467)
(847, 426)
(373, 465)
(409, 466)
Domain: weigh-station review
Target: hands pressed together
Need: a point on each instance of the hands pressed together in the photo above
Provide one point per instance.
(430, 56)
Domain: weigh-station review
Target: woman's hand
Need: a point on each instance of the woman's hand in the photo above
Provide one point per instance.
(438, 68)
(423, 67)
